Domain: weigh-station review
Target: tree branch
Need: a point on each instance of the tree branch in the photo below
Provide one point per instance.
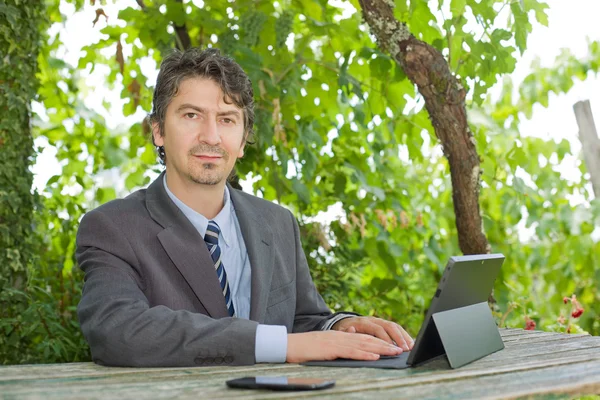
(183, 37)
(445, 102)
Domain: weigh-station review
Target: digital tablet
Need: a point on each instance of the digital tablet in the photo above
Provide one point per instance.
(467, 281)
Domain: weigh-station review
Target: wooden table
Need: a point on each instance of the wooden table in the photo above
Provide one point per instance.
(533, 364)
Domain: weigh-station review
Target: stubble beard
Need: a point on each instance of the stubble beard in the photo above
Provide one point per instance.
(208, 173)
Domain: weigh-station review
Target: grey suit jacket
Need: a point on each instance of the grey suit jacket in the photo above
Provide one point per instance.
(151, 295)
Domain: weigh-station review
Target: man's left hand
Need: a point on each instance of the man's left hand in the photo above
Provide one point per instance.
(386, 330)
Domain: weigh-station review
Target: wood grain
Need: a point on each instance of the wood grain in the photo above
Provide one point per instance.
(533, 364)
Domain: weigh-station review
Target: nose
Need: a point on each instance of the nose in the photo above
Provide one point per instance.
(209, 133)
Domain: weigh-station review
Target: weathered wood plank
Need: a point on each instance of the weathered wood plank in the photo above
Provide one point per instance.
(505, 333)
(532, 335)
(89, 369)
(75, 370)
(526, 354)
(214, 383)
(133, 385)
(376, 382)
(536, 361)
(579, 379)
(537, 339)
(517, 352)
(529, 350)
(424, 387)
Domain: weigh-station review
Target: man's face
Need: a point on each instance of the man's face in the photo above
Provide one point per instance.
(203, 135)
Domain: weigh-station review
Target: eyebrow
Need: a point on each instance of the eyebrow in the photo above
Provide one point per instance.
(201, 110)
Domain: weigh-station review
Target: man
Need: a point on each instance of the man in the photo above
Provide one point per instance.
(193, 272)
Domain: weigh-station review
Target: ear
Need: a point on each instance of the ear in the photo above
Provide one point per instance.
(241, 152)
(243, 145)
(158, 139)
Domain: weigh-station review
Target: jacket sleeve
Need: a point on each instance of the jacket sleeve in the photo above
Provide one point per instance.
(123, 330)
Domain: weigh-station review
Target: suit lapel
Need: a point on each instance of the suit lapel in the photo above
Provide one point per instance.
(186, 249)
(258, 239)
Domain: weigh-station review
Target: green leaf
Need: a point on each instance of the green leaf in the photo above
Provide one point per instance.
(457, 7)
(53, 179)
(149, 155)
(175, 12)
(301, 190)
(500, 34)
(104, 195)
(433, 257)
(380, 67)
(521, 26)
(134, 179)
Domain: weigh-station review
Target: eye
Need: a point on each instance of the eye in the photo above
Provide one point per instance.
(228, 121)
(191, 115)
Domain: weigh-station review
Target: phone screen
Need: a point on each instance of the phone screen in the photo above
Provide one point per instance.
(280, 383)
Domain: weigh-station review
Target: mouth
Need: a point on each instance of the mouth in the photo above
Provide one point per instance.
(208, 157)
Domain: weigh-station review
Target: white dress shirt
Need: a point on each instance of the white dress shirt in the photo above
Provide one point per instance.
(271, 340)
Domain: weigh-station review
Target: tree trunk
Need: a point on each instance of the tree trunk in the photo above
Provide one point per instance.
(445, 101)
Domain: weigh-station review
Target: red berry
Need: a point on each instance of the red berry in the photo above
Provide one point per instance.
(566, 299)
(529, 324)
(577, 312)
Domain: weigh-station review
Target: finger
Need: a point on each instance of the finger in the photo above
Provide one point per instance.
(351, 329)
(373, 344)
(409, 340)
(374, 329)
(343, 324)
(398, 335)
(401, 336)
(356, 354)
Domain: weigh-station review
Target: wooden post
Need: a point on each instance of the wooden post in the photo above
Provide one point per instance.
(590, 142)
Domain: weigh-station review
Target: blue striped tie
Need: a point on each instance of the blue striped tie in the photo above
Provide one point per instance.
(212, 242)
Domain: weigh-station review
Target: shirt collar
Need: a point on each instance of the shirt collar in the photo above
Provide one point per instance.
(200, 222)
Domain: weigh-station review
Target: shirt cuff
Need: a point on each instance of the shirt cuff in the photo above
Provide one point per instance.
(270, 344)
(336, 318)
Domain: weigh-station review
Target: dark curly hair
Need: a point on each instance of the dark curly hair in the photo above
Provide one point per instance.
(209, 64)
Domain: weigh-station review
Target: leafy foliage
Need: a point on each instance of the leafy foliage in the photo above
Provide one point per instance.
(18, 88)
(20, 42)
(560, 258)
(339, 127)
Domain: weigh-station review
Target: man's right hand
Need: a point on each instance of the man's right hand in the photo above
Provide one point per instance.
(329, 345)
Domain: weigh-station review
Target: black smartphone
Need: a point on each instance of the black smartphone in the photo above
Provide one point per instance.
(280, 383)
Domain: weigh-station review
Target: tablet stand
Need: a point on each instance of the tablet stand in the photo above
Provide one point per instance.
(467, 333)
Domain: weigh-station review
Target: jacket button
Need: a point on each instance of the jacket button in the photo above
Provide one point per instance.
(228, 359)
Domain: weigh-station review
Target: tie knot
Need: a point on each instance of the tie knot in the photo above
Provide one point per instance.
(212, 233)
(213, 226)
